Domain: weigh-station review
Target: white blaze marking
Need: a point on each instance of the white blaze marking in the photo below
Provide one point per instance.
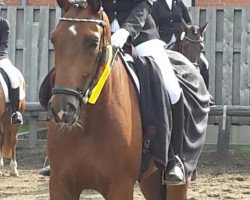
(72, 29)
(60, 114)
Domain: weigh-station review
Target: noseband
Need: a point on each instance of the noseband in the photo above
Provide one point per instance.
(184, 37)
(83, 95)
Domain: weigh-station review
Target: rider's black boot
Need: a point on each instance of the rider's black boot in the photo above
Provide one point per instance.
(175, 174)
(16, 117)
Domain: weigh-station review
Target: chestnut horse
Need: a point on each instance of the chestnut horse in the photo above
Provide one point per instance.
(191, 45)
(95, 138)
(8, 132)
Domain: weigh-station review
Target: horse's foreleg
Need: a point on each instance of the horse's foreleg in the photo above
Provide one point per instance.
(1, 153)
(1, 158)
(62, 188)
(178, 192)
(59, 194)
(12, 145)
(1, 161)
(13, 164)
(120, 191)
(151, 184)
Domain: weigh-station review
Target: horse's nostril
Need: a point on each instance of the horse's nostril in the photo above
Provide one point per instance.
(71, 108)
(69, 115)
(53, 113)
(64, 110)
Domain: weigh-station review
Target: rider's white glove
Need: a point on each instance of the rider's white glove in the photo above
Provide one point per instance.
(119, 38)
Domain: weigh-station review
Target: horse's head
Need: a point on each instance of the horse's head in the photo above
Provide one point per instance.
(191, 42)
(80, 41)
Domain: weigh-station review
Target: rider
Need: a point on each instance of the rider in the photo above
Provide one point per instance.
(5, 63)
(168, 15)
(131, 21)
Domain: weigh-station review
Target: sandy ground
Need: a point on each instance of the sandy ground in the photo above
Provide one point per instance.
(219, 178)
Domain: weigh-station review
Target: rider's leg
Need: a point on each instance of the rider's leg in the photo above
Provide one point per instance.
(175, 171)
(178, 126)
(173, 88)
(16, 117)
(177, 192)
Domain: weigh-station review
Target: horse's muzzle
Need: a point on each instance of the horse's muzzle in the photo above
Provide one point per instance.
(64, 108)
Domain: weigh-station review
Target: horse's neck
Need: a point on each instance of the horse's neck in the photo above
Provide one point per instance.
(119, 80)
(117, 100)
(177, 46)
(118, 85)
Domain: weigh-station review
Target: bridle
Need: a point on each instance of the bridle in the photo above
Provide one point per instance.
(195, 41)
(184, 37)
(83, 95)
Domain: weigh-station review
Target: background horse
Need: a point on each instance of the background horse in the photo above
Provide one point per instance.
(95, 145)
(191, 45)
(8, 132)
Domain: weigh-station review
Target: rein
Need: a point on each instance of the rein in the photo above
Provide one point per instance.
(85, 95)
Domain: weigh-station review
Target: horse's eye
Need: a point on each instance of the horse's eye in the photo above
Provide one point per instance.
(93, 44)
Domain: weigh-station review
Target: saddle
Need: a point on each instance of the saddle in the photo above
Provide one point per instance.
(156, 113)
(11, 78)
(6, 85)
(6, 79)
(45, 91)
(155, 107)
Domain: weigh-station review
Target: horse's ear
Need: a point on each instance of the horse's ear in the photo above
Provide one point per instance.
(184, 26)
(64, 4)
(203, 28)
(95, 5)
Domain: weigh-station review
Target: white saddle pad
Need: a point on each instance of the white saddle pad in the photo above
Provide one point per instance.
(16, 79)
(128, 58)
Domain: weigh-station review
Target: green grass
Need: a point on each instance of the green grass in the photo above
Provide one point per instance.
(23, 128)
(245, 149)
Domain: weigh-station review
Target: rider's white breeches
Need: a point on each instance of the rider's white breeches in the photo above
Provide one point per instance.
(155, 48)
(15, 76)
(12, 72)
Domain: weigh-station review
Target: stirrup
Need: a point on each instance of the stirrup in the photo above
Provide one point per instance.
(176, 175)
(17, 118)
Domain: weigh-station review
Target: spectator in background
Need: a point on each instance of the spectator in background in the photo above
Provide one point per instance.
(168, 15)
